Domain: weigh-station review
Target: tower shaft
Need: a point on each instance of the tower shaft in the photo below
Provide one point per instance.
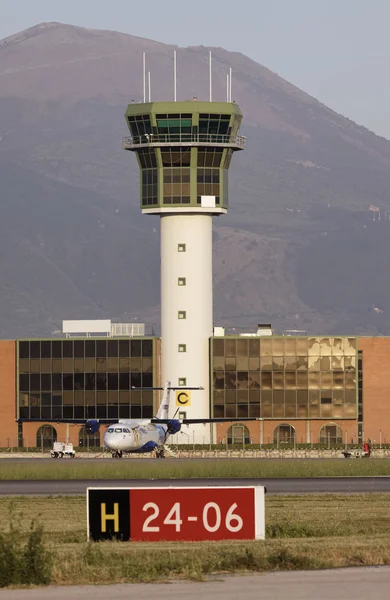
(187, 305)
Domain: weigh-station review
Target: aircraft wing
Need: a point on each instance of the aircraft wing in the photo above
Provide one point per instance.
(205, 421)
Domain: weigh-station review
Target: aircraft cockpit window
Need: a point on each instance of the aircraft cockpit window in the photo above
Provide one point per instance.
(110, 430)
(126, 431)
(118, 430)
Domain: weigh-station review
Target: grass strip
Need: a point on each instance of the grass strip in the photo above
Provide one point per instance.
(303, 532)
(235, 468)
(109, 563)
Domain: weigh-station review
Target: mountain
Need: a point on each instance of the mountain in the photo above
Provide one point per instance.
(300, 248)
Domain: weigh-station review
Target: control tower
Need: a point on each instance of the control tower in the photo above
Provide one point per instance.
(184, 151)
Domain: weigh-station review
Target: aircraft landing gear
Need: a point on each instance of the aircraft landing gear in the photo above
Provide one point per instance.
(160, 453)
(117, 454)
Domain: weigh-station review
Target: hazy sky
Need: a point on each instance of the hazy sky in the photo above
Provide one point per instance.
(336, 50)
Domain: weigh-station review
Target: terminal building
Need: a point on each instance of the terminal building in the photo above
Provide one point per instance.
(300, 389)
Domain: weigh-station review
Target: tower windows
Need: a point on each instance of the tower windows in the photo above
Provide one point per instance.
(140, 126)
(147, 158)
(213, 125)
(209, 157)
(176, 157)
(149, 186)
(182, 347)
(177, 186)
(182, 381)
(181, 248)
(182, 314)
(208, 183)
(181, 281)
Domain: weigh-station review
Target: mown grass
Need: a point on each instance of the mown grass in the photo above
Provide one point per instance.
(303, 532)
(189, 469)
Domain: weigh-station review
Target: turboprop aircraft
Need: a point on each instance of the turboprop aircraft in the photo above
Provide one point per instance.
(147, 435)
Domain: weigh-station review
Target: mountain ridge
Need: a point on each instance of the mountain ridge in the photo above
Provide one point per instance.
(307, 174)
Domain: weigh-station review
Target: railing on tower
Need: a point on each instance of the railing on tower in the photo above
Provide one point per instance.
(189, 139)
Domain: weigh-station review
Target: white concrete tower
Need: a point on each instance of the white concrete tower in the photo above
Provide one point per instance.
(184, 151)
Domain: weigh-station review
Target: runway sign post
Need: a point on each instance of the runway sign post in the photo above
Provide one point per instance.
(189, 514)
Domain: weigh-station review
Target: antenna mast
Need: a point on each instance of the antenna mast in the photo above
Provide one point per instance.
(227, 87)
(211, 85)
(150, 88)
(230, 85)
(175, 75)
(144, 74)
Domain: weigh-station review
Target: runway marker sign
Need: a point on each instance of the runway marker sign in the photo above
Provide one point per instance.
(153, 514)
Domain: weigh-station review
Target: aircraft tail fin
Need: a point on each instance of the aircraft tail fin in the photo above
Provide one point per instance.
(163, 411)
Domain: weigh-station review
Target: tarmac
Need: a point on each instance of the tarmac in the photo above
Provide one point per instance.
(343, 584)
(319, 485)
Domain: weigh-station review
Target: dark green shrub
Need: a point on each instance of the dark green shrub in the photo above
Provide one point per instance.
(27, 563)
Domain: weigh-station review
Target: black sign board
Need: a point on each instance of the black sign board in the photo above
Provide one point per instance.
(108, 514)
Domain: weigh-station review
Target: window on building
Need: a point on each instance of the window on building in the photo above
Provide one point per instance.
(182, 381)
(331, 435)
(46, 436)
(174, 125)
(216, 125)
(182, 347)
(147, 158)
(181, 248)
(238, 434)
(140, 126)
(182, 314)
(209, 157)
(149, 178)
(181, 281)
(284, 434)
(176, 188)
(208, 184)
(182, 415)
(176, 157)
(87, 440)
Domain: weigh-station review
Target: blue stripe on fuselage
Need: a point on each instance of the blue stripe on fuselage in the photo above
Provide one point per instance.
(148, 447)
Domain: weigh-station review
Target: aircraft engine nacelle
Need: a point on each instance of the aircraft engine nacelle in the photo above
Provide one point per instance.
(92, 426)
(174, 426)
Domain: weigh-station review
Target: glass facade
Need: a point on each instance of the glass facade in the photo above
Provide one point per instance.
(177, 186)
(140, 125)
(284, 377)
(214, 124)
(176, 157)
(147, 158)
(85, 378)
(210, 157)
(208, 184)
(149, 187)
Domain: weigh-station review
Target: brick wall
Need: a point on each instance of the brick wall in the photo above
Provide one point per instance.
(8, 425)
(376, 388)
(302, 428)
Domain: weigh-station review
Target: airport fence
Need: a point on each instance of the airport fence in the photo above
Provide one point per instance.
(12, 446)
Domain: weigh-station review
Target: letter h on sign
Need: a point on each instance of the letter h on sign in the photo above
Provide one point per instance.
(105, 517)
(108, 514)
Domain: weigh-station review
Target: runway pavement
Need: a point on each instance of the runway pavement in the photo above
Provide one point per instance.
(329, 485)
(343, 584)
